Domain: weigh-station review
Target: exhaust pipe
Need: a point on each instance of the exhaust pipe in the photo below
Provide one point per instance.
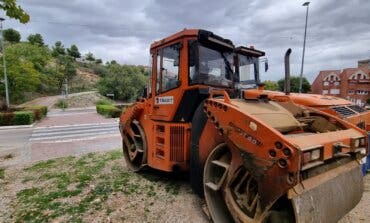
(287, 72)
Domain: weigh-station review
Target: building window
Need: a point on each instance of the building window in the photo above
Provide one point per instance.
(325, 92)
(337, 83)
(351, 92)
(334, 91)
(326, 83)
(361, 92)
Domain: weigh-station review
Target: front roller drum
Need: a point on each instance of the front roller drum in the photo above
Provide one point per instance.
(329, 196)
(134, 146)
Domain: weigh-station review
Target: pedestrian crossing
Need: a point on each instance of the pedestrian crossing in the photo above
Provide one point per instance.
(73, 132)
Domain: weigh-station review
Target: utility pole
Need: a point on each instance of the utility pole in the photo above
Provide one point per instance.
(304, 47)
(4, 65)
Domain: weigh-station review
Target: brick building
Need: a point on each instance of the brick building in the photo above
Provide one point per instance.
(350, 83)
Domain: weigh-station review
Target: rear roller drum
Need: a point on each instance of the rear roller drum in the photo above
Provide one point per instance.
(134, 146)
(232, 195)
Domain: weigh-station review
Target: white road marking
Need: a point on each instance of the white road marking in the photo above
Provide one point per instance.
(73, 132)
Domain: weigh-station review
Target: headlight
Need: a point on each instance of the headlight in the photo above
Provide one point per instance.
(358, 142)
(362, 141)
(312, 155)
(315, 154)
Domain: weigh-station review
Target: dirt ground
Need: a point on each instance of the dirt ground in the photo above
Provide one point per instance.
(361, 213)
(75, 100)
(95, 188)
(98, 187)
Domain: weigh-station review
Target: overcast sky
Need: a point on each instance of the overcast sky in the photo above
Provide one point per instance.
(338, 30)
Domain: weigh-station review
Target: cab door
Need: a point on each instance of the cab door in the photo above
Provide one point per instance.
(167, 92)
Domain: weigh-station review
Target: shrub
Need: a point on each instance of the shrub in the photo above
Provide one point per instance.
(38, 111)
(6, 118)
(108, 111)
(104, 102)
(61, 104)
(23, 118)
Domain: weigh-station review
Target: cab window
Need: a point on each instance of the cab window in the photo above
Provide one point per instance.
(168, 61)
(149, 88)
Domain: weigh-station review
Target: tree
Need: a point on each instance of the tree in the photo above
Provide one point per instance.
(271, 85)
(11, 35)
(126, 82)
(36, 39)
(74, 52)
(14, 11)
(25, 63)
(90, 57)
(98, 61)
(68, 67)
(294, 84)
(58, 49)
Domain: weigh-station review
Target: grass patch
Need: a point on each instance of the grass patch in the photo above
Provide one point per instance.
(47, 202)
(72, 188)
(61, 103)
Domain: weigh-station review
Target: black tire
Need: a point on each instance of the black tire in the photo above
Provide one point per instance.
(196, 168)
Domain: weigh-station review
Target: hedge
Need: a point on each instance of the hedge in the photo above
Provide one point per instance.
(109, 111)
(16, 118)
(6, 118)
(23, 118)
(104, 102)
(38, 111)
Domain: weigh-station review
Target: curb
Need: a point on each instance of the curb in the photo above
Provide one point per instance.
(73, 109)
(17, 126)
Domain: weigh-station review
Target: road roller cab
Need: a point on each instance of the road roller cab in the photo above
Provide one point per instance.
(253, 159)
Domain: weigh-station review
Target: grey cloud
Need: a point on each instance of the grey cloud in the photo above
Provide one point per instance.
(338, 30)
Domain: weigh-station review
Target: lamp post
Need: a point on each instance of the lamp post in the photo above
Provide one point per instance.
(304, 47)
(4, 65)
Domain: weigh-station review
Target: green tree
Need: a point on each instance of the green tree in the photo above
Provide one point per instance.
(126, 82)
(58, 49)
(294, 84)
(74, 52)
(36, 39)
(98, 61)
(14, 11)
(25, 64)
(11, 35)
(90, 57)
(271, 85)
(68, 67)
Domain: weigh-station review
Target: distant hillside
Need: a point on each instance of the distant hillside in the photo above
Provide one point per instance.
(35, 70)
(84, 80)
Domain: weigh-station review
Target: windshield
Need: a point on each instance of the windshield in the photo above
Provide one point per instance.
(248, 70)
(214, 67)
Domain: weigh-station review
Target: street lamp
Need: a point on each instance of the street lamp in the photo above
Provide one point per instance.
(304, 46)
(4, 65)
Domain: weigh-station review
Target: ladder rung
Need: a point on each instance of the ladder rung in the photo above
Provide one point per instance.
(222, 164)
(212, 186)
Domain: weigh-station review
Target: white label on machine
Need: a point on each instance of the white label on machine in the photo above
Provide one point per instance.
(165, 100)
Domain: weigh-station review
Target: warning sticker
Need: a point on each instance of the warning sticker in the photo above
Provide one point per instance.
(165, 100)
